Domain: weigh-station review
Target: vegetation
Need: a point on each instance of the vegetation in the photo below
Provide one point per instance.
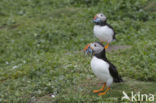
(41, 44)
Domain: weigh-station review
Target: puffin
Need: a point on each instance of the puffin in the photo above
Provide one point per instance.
(102, 30)
(102, 67)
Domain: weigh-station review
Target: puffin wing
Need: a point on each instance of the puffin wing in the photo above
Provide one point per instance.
(113, 31)
(114, 73)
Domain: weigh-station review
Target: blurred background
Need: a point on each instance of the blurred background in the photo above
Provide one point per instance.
(41, 42)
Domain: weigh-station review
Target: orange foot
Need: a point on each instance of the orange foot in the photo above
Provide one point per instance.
(96, 91)
(101, 93)
(104, 92)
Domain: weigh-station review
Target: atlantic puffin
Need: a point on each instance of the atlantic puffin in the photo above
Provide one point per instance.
(102, 67)
(103, 31)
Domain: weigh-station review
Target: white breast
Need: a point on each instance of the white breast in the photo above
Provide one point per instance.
(103, 33)
(101, 70)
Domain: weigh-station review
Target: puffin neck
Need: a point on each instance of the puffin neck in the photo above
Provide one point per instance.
(101, 55)
(102, 23)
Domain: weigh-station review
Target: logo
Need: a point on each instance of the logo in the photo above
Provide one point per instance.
(137, 97)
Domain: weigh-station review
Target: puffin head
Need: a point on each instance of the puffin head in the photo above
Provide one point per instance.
(94, 48)
(100, 17)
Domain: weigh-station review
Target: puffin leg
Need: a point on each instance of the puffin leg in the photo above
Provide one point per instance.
(96, 91)
(107, 46)
(104, 92)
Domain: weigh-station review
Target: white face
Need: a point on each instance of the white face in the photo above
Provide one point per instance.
(101, 16)
(96, 47)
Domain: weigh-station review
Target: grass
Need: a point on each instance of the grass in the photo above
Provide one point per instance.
(41, 46)
(81, 94)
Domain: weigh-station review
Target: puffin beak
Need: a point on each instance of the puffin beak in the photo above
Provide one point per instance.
(96, 19)
(88, 49)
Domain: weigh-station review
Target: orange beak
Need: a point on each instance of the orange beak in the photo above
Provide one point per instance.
(86, 47)
(95, 17)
